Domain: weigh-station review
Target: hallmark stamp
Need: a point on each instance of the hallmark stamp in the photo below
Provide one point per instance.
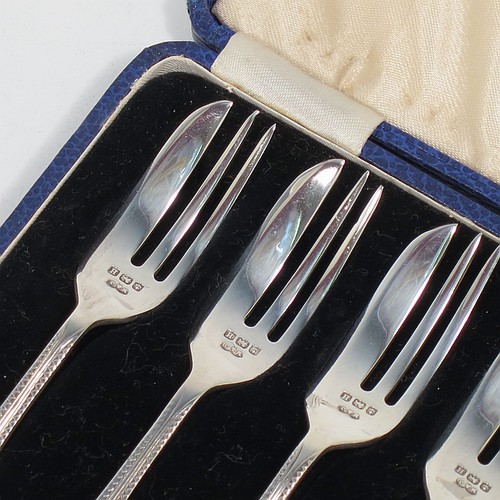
(473, 479)
(242, 343)
(117, 286)
(469, 481)
(356, 403)
(123, 278)
(113, 271)
(345, 396)
(254, 350)
(226, 346)
(359, 404)
(126, 279)
(348, 411)
(470, 489)
(233, 350)
(237, 345)
(229, 334)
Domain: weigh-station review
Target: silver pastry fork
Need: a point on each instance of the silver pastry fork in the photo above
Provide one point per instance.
(228, 351)
(454, 471)
(112, 289)
(342, 411)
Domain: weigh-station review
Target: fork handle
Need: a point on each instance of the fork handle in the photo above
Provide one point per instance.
(294, 469)
(40, 372)
(131, 472)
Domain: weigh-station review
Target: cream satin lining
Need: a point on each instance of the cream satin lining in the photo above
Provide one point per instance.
(431, 67)
(274, 81)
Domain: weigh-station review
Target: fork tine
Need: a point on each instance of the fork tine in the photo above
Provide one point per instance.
(173, 165)
(232, 193)
(333, 270)
(227, 201)
(451, 333)
(285, 225)
(431, 317)
(296, 282)
(188, 216)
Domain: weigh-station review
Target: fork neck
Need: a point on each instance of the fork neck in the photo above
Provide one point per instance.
(298, 463)
(75, 325)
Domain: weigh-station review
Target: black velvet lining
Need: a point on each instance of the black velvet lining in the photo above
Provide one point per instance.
(119, 378)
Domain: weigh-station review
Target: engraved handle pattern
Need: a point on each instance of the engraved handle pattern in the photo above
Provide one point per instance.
(40, 372)
(292, 471)
(131, 472)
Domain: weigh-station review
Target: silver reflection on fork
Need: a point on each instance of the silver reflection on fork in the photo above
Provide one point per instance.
(228, 351)
(112, 289)
(454, 470)
(342, 412)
